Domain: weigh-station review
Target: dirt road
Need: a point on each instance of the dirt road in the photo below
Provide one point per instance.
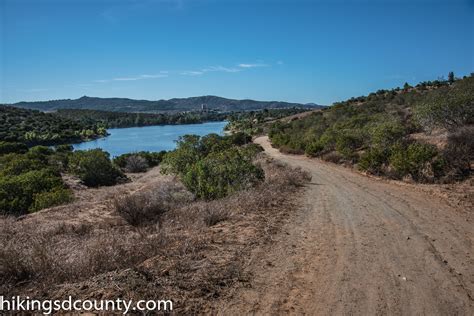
(361, 246)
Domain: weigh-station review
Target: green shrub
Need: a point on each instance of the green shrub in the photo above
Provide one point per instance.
(314, 148)
(399, 160)
(40, 153)
(191, 148)
(6, 148)
(439, 164)
(213, 166)
(347, 142)
(184, 156)
(52, 198)
(386, 133)
(372, 160)
(222, 173)
(64, 148)
(60, 158)
(94, 168)
(328, 140)
(18, 193)
(16, 164)
(420, 154)
(240, 139)
(251, 150)
(31, 181)
(412, 159)
(153, 158)
(214, 143)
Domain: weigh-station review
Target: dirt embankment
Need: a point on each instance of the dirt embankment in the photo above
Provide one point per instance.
(362, 246)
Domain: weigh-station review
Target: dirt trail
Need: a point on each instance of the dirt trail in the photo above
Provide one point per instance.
(361, 246)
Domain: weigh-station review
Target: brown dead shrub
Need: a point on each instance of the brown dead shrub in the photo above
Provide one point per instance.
(459, 154)
(333, 156)
(139, 208)
(292, 151)
(136, 163)
(147, 207)
(107, 252)
(214, 216)
(278, 173)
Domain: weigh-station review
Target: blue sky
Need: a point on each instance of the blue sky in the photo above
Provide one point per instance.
(301, 51)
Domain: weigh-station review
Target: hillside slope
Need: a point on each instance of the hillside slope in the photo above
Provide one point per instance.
(177, 104)
(34, 127)
(423, 133)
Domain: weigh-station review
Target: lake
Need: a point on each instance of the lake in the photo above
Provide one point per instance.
(148, 138)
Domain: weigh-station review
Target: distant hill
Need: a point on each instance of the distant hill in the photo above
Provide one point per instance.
(177, 104)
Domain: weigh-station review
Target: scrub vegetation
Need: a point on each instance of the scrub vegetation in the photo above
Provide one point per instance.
(31, 179)
(33, 127)
(424, 133)
(251, 122)
(33, 176)
(214, 166)
(139, 161)
(158, 235)
(110, 119)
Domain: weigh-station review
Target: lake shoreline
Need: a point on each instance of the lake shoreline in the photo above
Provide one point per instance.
(149, 138)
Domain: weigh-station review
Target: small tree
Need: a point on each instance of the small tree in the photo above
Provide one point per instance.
(451, 77)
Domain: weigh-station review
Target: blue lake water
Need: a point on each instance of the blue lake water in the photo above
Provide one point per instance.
(149, 138)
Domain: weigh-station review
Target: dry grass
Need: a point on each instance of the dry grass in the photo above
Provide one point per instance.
(280, 175)
(214, 216)
(194, 254)
(65, 252)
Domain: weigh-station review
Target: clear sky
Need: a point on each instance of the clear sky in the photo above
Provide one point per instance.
(301, 51)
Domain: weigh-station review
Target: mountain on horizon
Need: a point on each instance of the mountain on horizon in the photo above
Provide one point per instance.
(208, 102)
